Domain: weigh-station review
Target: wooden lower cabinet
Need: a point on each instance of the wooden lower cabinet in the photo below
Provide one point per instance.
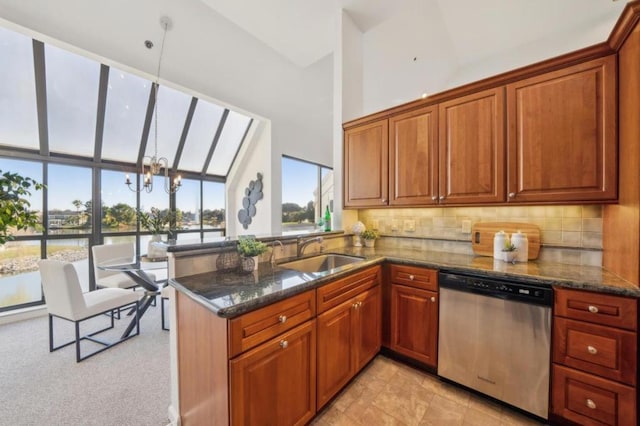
(274, 383)
(349, 336)
(414, 323)
(595, 359)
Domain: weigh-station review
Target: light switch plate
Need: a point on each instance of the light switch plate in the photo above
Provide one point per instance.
(395, 226)
(409, 225)
(375, 224)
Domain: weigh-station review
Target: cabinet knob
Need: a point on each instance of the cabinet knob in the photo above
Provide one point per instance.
(357, 305)
(284, 344)
(434, 198)
(593, 309)
(282, 318)
(411, 277)
(383, 201)
(433, 299)
(592, 350)
(441, 197)
(512, 195)
(591, 404)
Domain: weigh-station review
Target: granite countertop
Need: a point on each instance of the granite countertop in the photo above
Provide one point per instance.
(230, 294)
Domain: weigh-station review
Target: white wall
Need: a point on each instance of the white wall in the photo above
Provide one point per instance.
(391, 75)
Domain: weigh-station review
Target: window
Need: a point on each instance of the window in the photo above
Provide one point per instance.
(307, 189)
(118, 204)
(19, 276)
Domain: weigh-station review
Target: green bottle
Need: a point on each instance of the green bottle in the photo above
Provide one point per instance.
(327, 220)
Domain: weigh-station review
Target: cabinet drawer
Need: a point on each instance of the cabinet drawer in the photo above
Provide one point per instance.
(413, 276)
(604, 309)
(335, 293)
(591, 400)
(253, 328)
(605, 351)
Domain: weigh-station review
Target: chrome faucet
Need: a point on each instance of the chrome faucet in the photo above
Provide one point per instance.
(273, 250)
(302, 244)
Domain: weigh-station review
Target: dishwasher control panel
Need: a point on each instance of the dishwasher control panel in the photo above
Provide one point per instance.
(517, 291)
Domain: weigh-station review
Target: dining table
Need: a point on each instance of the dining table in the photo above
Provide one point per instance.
(137, 269)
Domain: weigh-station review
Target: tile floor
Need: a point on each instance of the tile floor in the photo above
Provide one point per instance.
(390, 393)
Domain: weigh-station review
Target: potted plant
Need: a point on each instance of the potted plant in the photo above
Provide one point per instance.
(249, 249)
(369, 236)
(14, 206)
(156, 221)
(509, 252)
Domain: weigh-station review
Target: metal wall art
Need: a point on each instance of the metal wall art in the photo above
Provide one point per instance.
(252, 194)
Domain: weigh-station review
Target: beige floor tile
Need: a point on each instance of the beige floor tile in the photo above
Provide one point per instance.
(474, 417)
(443, 411)
(390, 393)
(485, 405)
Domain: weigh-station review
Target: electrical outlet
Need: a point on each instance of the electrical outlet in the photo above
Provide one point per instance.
(466, 226)
(375, 224)
(409, 225)
(395, 226)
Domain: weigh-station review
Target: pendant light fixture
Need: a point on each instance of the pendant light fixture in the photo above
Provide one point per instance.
(154, 165)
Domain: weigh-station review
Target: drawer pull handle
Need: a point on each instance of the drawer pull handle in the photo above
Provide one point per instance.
(592, 350)
(593, 309)
(411, 277)
(282, 318)
(591, 404)
(284, 344)
(433, 299)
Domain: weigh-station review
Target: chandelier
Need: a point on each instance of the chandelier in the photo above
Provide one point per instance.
(153, 165)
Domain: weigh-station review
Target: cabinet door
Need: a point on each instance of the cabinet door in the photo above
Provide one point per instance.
(562, 134)
(368, 333)
(414, 323)
(472, 149)
(413, 157)
(366, 165)
(274, 383)
(335, 360)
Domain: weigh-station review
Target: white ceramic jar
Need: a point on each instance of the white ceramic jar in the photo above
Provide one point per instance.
(499, 241)
(521, 242)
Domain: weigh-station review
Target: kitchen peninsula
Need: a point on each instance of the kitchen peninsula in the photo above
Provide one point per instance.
(253, 337)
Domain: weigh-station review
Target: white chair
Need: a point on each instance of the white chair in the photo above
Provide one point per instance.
(112, 253)
(64, 299)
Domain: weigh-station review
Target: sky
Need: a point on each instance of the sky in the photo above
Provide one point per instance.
(299, 180)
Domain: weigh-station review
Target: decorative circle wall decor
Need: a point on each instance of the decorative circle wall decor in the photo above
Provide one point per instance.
(252, 194)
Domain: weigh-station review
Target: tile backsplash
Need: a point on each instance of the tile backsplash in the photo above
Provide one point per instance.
(566, 231)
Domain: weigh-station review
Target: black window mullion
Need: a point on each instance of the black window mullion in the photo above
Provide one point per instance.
(216, 138)
(41, 96)
(185, 132)
(147, 124)
(101, 108)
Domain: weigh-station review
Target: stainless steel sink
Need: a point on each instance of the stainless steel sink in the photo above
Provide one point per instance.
(321, 263)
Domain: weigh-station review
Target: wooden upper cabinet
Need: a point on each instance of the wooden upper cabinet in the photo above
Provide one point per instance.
(413, 157)
(472, 149)
(562, 142)
(366, 165)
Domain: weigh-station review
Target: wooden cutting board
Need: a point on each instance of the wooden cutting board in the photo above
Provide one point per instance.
(482, 234)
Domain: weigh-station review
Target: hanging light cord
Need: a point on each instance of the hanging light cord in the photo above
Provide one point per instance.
(155, 110)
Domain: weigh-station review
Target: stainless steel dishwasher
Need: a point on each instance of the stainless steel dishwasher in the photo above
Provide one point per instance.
(495, 337)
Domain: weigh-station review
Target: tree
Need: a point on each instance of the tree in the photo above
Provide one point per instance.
(120, 214)
(14, 206)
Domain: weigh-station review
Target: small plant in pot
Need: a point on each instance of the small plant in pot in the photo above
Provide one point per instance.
(369, 236)
(249, 249)
(509, 252)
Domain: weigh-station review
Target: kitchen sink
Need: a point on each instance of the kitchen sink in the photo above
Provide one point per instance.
(321, 263)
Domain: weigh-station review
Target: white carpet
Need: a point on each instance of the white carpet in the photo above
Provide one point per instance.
(127, 384)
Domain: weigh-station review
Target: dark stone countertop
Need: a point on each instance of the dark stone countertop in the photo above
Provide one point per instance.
(229, 294)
